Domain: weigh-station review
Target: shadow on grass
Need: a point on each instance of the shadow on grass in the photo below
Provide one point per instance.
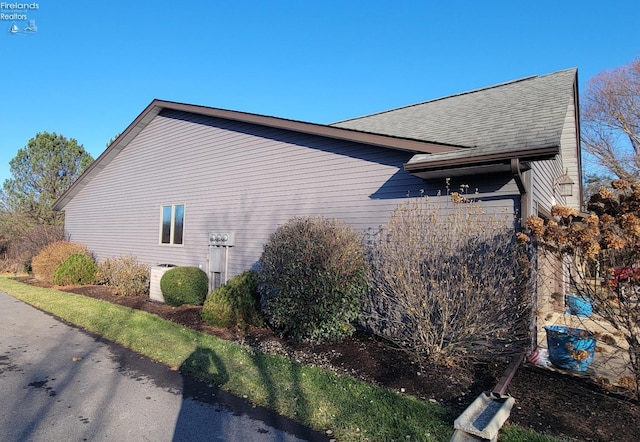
(205, 361)
(232, 417)
(299, 405)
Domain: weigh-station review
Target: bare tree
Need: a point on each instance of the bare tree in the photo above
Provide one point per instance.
(611, 121)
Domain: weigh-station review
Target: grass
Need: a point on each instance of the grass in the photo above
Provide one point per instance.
(353, 410)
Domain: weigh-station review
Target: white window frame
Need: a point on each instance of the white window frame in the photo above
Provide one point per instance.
(172, 226)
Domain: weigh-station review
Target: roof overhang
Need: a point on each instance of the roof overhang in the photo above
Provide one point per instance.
(157, 106)
(387, 141)
(475, 161)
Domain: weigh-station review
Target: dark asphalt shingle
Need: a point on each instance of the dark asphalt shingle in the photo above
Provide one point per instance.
(519, 114)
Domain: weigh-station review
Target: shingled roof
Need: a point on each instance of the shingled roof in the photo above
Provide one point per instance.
(521, 119)
(520, 114)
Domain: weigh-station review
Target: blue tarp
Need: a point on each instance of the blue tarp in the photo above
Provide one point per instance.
(579, 305)
(570, 348)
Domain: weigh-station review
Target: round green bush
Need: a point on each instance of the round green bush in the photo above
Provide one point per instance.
(235, 303)
(312, 279)
(76, 269)
(184, 285)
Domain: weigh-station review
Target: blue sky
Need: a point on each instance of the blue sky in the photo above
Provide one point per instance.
(91, 67)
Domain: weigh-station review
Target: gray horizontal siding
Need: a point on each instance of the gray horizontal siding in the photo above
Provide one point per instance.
(545, 173)
(545, 192)
(235, 177)
(571, 161)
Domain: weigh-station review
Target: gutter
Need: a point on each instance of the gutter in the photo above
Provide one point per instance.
(475, 156)
(429, 166)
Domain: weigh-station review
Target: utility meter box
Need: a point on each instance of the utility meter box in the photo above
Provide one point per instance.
(224, 239)
(220, 243)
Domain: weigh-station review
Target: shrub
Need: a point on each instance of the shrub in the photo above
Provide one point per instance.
(234, 304)
(46, 262)
(449, 282)
(312, 279)
(125, 275)
(184, 285)
(600, 253)
(23, 240)
(76, 269)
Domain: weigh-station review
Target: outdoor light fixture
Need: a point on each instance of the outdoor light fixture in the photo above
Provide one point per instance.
(565, 184)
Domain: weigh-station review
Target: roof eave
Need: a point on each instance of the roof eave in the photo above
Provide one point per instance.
(156, 106)
(436, 167)
(141, 121)
(387, 141)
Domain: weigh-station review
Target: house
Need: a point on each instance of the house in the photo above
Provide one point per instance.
(194, 185)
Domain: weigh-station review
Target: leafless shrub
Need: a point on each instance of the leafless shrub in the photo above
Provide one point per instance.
(21, 240)
(449, 282)
(125, 275)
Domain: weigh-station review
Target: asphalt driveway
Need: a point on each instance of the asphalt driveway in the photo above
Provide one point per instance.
(59, 383)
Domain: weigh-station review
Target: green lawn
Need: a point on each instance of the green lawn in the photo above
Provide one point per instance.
(353, 410)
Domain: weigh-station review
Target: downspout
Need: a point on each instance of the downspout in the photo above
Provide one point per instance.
(524, 197)
(525, 213)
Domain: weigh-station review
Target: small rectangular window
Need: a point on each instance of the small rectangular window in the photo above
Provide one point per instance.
(172, 224)
(178, 223)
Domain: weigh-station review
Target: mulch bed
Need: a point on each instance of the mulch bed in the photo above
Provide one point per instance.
(558, 404)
